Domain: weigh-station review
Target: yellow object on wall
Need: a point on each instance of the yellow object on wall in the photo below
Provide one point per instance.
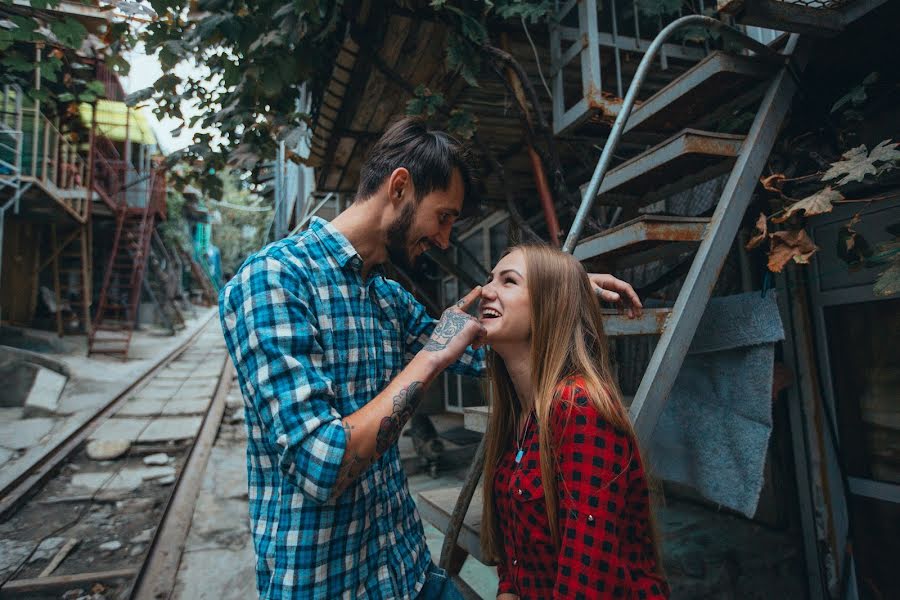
(114, 122)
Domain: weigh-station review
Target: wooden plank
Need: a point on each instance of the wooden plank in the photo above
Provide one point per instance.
(376, 88)
(60, 556)
(12, 589)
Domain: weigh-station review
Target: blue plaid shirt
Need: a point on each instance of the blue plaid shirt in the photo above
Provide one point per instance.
(314, 342)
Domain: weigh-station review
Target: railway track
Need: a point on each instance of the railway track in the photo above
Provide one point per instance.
(105, 513)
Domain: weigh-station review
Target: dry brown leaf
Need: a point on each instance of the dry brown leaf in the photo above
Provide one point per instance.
(773, 182)
(816, 204)
(857, 162)
(762, 229)
(790, 245)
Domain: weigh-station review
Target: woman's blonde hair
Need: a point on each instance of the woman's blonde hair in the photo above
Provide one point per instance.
(567, 339)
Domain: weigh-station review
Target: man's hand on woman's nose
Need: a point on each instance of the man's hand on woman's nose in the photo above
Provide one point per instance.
(457, 330)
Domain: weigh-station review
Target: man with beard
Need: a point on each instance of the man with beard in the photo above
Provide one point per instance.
(333, 359)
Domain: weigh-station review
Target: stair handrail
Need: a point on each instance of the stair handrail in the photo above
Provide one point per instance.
(618, 128)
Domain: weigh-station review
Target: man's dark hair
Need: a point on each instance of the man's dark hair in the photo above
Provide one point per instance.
(429, 155)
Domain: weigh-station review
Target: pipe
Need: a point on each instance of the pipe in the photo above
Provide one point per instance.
(640, 75)
(540, 180)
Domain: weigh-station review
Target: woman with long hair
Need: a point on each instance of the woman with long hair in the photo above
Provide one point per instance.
(566, 504)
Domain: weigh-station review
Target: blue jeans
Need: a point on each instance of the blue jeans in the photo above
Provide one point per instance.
(438, 586)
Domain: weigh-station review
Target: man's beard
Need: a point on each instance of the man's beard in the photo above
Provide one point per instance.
(398, 246)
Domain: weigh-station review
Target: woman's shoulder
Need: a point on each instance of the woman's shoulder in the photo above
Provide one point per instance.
(574, 406)
(572, 391)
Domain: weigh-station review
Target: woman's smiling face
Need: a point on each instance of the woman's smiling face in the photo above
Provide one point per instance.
(505, 310)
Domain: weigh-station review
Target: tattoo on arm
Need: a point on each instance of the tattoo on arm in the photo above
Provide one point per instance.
(450, 325)
(405, 404)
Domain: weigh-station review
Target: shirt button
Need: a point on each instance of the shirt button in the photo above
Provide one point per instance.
(591, 518)
(520, 492)
(515, 562)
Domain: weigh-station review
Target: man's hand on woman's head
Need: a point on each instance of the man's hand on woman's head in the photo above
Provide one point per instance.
(616, 291)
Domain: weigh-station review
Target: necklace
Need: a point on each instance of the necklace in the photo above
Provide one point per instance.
(520, 443)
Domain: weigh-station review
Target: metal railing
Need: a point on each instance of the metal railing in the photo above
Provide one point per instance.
(619, 29)
(33, 149)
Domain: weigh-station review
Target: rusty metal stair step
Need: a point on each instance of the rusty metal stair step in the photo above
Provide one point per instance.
(686, 159)
(705, 87)
(642, 240)
(651, 322)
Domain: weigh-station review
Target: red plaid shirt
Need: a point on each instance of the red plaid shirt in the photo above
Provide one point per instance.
(603, 511)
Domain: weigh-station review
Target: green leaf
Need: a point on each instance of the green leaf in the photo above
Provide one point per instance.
(271, 83)
(139, 96)
(118, 64)
(66, 97)
(462, 123)
(415, 107)
(70, 32)
(14, 62)
(43, 4)
(462, 58)
(97, 87)
(470, 27)
(855, 97)
(87, 97)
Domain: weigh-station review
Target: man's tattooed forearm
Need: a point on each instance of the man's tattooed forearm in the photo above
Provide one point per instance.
(405, 403)
(450, 325)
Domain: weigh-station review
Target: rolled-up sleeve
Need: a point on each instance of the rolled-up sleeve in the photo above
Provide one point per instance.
(274, 341)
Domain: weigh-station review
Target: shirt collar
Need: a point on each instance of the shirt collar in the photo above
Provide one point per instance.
(335, 242)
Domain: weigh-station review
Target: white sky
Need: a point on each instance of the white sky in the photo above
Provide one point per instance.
(145, 70)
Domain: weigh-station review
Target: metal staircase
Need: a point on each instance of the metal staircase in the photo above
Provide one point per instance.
(117, 306)
(687, 155)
